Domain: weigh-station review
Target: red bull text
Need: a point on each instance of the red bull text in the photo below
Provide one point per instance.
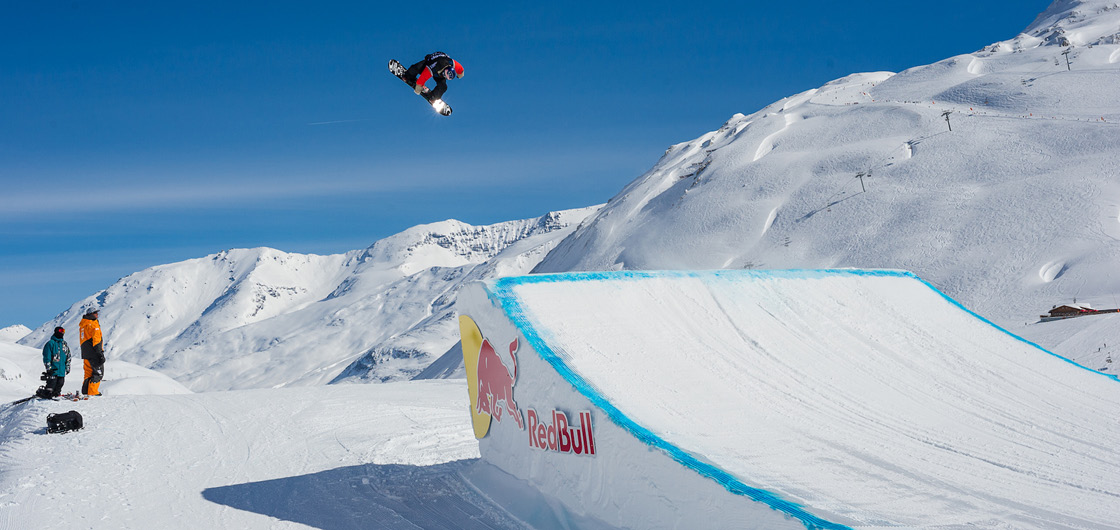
(560, 436)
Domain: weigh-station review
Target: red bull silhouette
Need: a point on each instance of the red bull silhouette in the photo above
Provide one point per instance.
(495, 383)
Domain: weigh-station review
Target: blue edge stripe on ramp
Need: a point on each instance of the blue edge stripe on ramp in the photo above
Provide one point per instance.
(502, 293)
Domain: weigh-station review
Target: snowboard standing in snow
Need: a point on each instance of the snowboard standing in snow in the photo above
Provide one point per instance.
(398, 70)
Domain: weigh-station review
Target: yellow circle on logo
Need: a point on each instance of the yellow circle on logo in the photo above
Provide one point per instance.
(471, 338)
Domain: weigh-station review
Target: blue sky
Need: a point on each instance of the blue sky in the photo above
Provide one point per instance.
(139, 134)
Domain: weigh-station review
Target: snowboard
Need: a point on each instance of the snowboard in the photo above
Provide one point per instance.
(439, 105)
(72, 396)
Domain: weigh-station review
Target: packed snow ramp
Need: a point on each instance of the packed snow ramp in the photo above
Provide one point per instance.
(783, 399)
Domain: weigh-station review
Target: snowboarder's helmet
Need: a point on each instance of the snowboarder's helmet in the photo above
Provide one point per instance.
(458, 68)
(59, 330)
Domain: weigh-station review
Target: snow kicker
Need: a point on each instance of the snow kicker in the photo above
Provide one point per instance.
(782, 399)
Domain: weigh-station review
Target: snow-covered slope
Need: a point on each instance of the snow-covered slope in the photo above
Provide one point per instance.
(21, 366)
(179, 461)
(14, 333)
(252, 318)
(1078, 23)
(1094, 341)
(1017, 208)
(518, 256)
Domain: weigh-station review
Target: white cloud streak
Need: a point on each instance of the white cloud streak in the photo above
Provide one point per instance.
(93, 194)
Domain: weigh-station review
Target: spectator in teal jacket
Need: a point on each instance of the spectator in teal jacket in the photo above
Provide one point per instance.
(56, 359)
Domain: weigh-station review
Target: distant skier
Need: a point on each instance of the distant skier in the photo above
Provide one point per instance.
(438, 66)
(56, 359)
(93, 352)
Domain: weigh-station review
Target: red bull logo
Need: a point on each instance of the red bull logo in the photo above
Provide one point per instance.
(490, 378)
(495, 383)
(559, 435)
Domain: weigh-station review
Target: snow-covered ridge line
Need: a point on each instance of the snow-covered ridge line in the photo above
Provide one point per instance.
(249, 318)
(1077, 23)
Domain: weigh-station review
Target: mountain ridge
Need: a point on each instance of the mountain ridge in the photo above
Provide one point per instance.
(251, 318)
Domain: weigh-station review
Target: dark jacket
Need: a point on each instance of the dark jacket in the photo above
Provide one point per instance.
(430, 68)
(56, 356)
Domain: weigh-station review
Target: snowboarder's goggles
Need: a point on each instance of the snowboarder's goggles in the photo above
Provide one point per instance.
(449, 72)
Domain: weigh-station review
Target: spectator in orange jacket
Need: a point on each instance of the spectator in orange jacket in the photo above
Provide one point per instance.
(93, 352)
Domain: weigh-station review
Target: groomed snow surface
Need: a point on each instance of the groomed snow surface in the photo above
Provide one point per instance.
(154, 455)
(866, 397)
(353, 456)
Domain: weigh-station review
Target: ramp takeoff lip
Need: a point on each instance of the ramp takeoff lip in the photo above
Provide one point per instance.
(511, 304)
(866, 392)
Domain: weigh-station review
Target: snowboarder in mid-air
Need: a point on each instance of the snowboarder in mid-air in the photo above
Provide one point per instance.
(438, 66)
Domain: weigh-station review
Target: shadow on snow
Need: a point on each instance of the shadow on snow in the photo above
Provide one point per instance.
(395, 496)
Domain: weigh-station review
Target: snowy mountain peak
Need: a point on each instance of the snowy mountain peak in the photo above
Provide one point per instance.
(14, 333)
(1078, 23)
(455, 243)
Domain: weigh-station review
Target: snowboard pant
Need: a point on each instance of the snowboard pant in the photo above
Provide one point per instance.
(53, 386)
(413, 73)
(93, 377)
